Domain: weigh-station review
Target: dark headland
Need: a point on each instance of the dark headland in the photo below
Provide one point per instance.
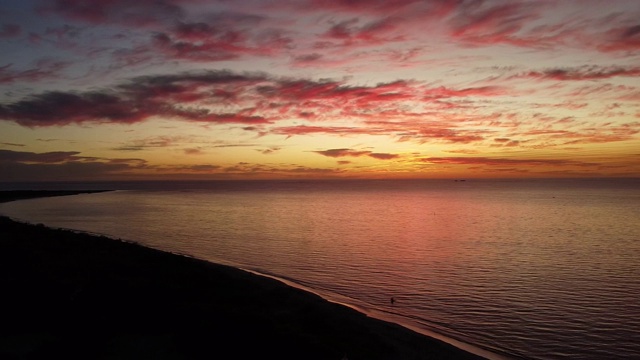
(72, 295)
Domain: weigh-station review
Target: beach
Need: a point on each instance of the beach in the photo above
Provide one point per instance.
(75, 295)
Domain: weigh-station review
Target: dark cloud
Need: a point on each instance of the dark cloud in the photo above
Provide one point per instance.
(150, 142)
(270, 150)
(201, 168)
(626, 38)
(351, 33)
(191, 96)
(483, 22)
(581, 73)
(444, 92)
(307, 130)
(44, 70)
(364, 6)
(442, 133)
(61, 165)
(132, 13)
(193, 151)
(196, 51)
(342, 152)
(12, 144)
(63, 108)
(221, 37)
(10, 30)
(308, 58)
(384, 156)
(336, 153)
(132, 102)
(7, 156)
(488, 161)
(69, 171)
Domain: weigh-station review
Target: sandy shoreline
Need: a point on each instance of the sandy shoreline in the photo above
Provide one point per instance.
(78, 295)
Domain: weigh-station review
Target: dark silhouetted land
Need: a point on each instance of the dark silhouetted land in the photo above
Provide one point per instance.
(72, 295)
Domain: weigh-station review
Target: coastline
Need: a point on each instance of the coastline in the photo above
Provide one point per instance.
(81, 295)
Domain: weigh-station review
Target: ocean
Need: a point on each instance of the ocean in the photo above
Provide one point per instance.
(539, 269)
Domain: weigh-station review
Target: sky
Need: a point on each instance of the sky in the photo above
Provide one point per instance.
(294, 89)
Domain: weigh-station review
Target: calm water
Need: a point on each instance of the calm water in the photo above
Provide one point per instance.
(544, 270)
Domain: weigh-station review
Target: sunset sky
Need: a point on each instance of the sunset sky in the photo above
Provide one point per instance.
(196, 89)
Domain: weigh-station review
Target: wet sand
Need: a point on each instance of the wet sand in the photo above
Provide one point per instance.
(73, 295)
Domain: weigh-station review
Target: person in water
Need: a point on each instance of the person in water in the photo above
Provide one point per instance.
(392, 301)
